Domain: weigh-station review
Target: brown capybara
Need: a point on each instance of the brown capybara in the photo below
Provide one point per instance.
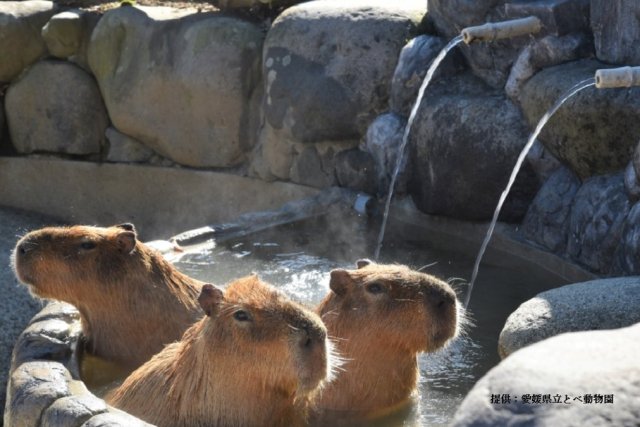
(255, 360)
(131, 300)
(381, 317)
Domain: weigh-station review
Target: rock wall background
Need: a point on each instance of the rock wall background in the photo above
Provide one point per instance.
(320, 97)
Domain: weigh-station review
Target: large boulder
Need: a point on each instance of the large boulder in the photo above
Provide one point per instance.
(20, 40)
(598, 304)
(328, 65)
(595, 131)
(576, 379)
(186, 86)
(413, 63)
(465, 142)
(67, 35)
(547, 220)
(597, 220)
(492, 61)
(626, 260)
(56, 107)
(616, 30)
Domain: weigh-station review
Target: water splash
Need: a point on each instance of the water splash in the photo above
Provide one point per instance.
(405, 137)
(571, 92)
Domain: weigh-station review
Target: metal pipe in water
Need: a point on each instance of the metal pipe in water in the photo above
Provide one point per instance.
(618, 77)
(501, 30)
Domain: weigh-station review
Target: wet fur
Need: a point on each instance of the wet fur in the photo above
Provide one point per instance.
(380, 335)
(131, 300)
(230, 373)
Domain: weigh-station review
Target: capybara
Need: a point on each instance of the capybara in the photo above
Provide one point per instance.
(381, 317)
(256, 359)
(131, 300)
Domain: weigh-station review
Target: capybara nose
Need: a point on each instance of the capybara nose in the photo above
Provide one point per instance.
(310, 336)
(25, 246)
(439, 297)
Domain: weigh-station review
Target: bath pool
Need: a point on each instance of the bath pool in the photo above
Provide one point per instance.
(297, 259)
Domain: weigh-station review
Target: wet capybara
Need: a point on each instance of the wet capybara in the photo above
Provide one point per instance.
(256, 359)
(131, 300)
(381, 317)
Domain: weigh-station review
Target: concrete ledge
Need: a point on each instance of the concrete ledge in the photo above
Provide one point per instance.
(160, 201)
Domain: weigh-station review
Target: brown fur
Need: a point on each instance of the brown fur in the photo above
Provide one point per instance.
(381, 317)
(131, 300)
(231, 372)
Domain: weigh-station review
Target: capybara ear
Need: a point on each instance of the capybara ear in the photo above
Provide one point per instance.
(126, 241)
(340, 281)
(209, 298)
(127, 226)
(361, 263)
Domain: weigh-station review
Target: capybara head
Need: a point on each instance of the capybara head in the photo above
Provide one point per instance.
(269, 335)
(256, 358)
(404, 307)
(381, 317)
(66, 263)
(132, 301)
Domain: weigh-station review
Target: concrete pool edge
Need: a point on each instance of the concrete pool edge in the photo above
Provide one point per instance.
(160, 201)
(44, 388)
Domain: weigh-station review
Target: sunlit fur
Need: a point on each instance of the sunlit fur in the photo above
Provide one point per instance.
(226, 372)
(380, 335)
(132, 302)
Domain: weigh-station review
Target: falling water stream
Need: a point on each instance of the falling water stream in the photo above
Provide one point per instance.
(405, 137)
(574, 90)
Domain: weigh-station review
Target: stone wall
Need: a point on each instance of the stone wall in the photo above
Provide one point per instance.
(321, 97)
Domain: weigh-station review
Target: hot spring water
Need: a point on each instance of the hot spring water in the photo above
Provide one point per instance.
(294, 259)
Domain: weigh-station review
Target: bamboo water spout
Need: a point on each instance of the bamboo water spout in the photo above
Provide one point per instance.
(501, 30)
(618, 77)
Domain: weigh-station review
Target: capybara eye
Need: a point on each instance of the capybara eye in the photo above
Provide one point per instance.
(87, 245)
(241, 316)
(375, 288)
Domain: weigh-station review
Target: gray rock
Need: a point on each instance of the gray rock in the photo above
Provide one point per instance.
(355, 169)
(67, 35)
(593, 364)
(596, 223)
(547, 220)
(56, 107)
(273, 157)
(20, 40)
(631, 183)
(626, 260)
(543, 53)
(598, 304)
(415, 58)
(34, 387)
(308, 169)
(465, 143)
(636, 159)
(74, 409)
(595, 131)
(383, 141)
(328, 63)
(492, 61)
(185, 86)
(123, 148)
(253, 4)
(616, 30)
(46, 339)
(543, 163)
